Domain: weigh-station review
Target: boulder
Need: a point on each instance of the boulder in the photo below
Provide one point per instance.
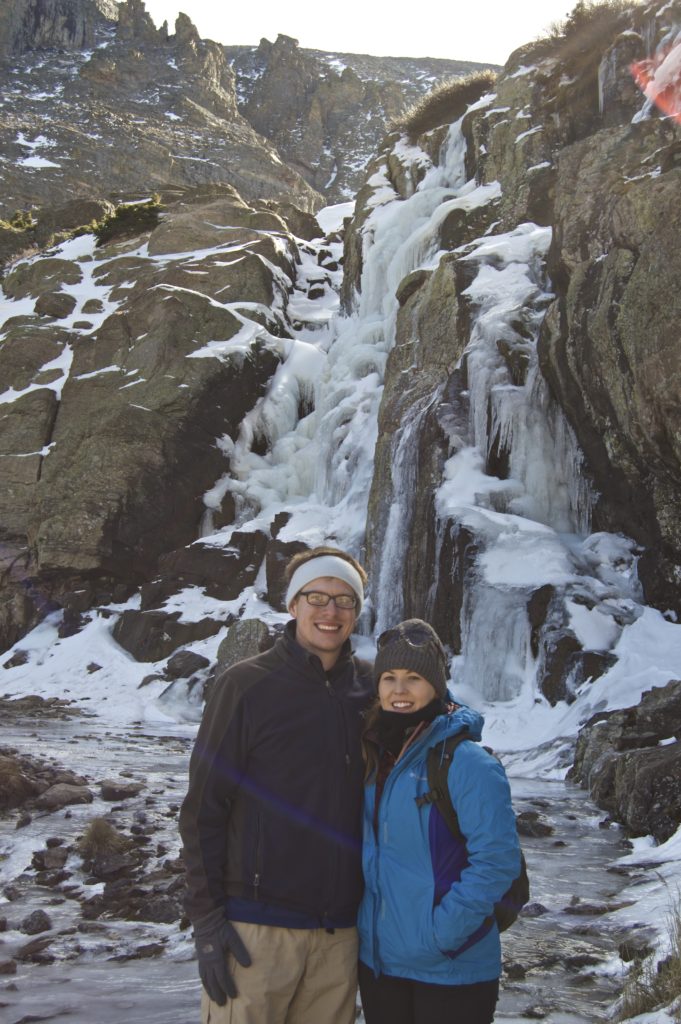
(62, 795)
(37, 951)
(36, 922)
(244, 639)
(222, 572)
(55, 304)
(300, 223)
(113, 790)
(50, 860)
(154, 635)
(630, 760)
(16, 785)
(41, 277)
(184, 664)
(531, 823)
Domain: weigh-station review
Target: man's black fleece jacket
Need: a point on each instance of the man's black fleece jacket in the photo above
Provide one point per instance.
(273, 810)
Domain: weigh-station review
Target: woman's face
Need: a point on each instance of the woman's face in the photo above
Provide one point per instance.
(403, 690)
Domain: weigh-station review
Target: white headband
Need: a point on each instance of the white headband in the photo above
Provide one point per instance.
(326, 565)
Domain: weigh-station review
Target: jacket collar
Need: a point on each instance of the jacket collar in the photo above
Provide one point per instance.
(292, 652)
(459, 718)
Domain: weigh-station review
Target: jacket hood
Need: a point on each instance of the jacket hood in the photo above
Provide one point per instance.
(463, 719)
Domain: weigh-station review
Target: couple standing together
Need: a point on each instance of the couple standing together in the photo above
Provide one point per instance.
(311, 856)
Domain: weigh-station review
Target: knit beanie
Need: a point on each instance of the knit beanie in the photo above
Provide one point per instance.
(413, 644)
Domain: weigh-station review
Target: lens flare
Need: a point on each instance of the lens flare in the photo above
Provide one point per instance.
(659, 78)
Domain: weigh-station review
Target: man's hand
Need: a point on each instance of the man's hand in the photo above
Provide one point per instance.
(214, 938)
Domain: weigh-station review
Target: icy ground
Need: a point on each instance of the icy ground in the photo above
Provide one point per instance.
(573, 973)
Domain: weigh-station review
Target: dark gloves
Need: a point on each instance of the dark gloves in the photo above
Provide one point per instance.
(215, 938)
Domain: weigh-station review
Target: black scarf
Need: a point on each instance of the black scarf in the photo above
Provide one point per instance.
(393, 727)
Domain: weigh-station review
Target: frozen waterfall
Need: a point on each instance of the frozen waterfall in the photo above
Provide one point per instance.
(512, 476)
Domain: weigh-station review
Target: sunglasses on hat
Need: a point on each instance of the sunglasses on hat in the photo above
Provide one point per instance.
(416, 636)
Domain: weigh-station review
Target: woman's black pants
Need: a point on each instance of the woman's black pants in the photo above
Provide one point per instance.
(388, 1000)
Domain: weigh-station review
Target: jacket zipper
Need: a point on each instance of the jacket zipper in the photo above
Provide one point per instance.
(337, 711)
(258, 852)
(383, 828)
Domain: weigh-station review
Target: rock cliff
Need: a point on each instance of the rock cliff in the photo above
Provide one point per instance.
(127, 369)
(98, 101)
(121, 108)
(327, 112)
(59, 24)
(630, 762)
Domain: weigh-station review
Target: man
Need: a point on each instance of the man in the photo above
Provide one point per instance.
(271, 822)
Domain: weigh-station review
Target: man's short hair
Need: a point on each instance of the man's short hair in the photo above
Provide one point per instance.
(305, 556)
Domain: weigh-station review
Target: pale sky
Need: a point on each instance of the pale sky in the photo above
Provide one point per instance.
(478, 30)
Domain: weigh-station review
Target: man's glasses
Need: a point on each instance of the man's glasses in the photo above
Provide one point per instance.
(319, 600)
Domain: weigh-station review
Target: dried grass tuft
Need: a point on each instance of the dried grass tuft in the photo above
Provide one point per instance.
(446, 103)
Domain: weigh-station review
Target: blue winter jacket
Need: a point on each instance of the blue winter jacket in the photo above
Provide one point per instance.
(428, 899)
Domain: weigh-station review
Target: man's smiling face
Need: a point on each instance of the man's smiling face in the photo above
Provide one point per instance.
(323, 631)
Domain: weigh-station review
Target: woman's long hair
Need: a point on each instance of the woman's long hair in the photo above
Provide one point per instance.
(369, 749)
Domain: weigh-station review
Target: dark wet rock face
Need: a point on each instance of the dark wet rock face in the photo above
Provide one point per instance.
(138, 419)
(608, 345)
(221, 572)
(630, 761)
(47, 24)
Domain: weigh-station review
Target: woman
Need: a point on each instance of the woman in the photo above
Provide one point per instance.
(429, 943)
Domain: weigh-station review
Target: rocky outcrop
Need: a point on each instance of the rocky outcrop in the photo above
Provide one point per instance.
(28, 782)
(148, 108)
(52, 24)
(630, 761)
(112, 414)
(316, 117)
(130, 110)
(325, 112)
(609, 344)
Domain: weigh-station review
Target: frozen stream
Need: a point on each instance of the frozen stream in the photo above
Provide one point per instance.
(552, 959)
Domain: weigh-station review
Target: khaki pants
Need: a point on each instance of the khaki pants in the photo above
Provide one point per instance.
(297, 976)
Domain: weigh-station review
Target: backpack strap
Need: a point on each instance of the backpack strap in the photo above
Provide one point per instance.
(438, 763)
